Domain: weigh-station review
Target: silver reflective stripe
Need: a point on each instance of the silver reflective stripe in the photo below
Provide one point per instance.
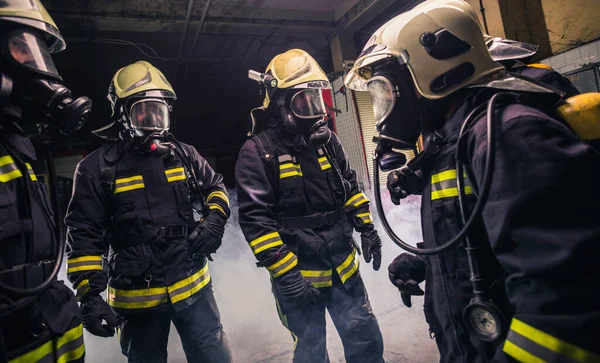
(64, 349)
(318, 278)
(126, 184)
(348, 268)
(289, 169)
(175, 173)
(266, 242)
(285, 158)
(287, 263)
(85, 263)
(133, 299)
(321, 152)
(197, 282)
(448, 184)
(5, 169)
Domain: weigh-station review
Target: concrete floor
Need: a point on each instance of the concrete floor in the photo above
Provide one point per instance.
(250, 319)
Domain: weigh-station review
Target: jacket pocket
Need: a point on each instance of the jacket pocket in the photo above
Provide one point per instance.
(131, 267)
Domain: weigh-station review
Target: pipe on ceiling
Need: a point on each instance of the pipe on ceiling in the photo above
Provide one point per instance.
(200, 26)
(186, 25)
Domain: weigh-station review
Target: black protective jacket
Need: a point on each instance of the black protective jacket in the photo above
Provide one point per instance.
(298, 207)
(144, 217)
(538, 236)
(29, 246)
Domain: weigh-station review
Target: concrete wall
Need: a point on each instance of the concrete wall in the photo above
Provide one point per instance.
(571, 23)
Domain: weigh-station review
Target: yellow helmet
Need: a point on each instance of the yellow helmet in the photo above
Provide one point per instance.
(137, 82)
(292, 68)
(32, 13)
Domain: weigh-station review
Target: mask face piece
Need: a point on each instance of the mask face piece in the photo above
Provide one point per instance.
(27, 49)
(150, 115)
(383, 97)
(308, 104)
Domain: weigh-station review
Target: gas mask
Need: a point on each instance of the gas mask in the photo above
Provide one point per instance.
(303, 112)
(398, 112)
(31, 82)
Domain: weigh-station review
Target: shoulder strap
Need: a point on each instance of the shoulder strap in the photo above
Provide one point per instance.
(265, 146)
(108, 169)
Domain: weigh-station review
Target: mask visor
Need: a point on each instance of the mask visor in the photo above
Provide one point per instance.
(308, 103)
(383, 97)
(150, 115)
(31, 51)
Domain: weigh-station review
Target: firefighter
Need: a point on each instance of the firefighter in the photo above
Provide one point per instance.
(299, 202)
(39, 317)
(156, 207)
(531, 224)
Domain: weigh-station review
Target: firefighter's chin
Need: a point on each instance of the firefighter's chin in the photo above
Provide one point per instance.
(319, 133)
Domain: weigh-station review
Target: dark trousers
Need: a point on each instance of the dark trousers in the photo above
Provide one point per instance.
(352, 316)
(144, 338)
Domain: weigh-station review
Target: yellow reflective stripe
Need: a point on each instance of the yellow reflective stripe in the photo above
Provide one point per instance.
(450, 192)
(217, 207)
(31, 173)
(357, 200)
(319, 278)
(520, 354)
(82, 288)
(316, 273)
(366, 217)
(284, 167)
(550, 342)
(444, 175)
(348, 267)
(265, 242)
(175, 174)
(322, 159)
(4, 178)
(6, 160)
(284, 265)
(194, 283)
(69, 347)
(128, 179)
(289, 174)
(84, 263)
(129, 187)
(137, 299)
(218, 194)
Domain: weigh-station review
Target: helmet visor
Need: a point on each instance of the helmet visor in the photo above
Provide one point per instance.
(383, 97)
(308, 103)
(31, 51)
(150, 115)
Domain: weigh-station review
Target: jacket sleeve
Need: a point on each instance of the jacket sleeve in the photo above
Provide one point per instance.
(357, 203)
(257, 201)
(542, 217)
(86, 221)
(217, 198)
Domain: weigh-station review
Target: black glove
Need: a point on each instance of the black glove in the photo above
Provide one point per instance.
(406, 273)
(404, 182)
(94, 311)
(295, 290)
(371, 246)
(207, 237)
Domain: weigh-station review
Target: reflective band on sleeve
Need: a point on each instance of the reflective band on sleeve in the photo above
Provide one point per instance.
(69, 347)
(84, 263)
(265, 242)
(82, 288)
(324, 163)
(319, 278)
(443, 185)
(175, 174)
(365, 217)
(8, 169)
(528, 344)
(213, 206)
(130, 183)
(282, 266)
(218, 194)
(188, 287)
(348, 267)
(31, 173)
(356, 200)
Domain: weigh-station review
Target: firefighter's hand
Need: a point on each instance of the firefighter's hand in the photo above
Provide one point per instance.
(404, 182)
(371, 247)
(207, 237)
(295, 290)
(406, 273)
(95, 312)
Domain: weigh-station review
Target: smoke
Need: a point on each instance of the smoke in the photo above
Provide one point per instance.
(249, 315)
